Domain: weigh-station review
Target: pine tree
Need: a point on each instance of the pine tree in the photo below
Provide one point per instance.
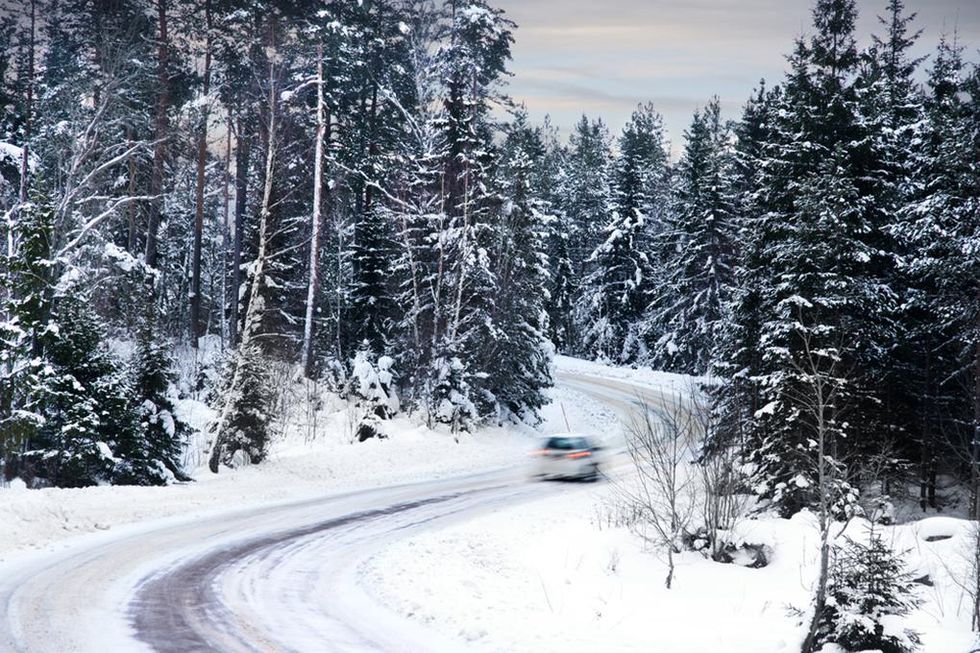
(518, 351)
(27, 279)
(869, 587)
(823, 248)
(585, 199)
(940, 225)
(86, 431)
(892, 107)
(163, 434)
(737, 397)
(615, 294)
(691, 303)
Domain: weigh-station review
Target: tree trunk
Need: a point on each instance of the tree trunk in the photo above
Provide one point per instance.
(243, 153)
(159, 148)
(29, 108)
(975, 445)
(202, 154)
(314, 278)
(226, 234)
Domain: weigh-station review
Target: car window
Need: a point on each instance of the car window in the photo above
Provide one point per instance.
(567, 444)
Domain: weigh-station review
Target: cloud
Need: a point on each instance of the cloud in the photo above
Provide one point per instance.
(574, 56)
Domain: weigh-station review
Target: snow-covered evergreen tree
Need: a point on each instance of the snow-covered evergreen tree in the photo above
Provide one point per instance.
(584, 196)
(373, 384)
(821, 249)
(691, 301)
(517, 349)
(615, 294)
(162, 432)
(870, 591)
(940, 224)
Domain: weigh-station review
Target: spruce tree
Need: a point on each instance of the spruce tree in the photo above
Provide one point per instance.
(518, 350)
(691, 303)
(615, 294)
(869, 589)
(940, 225)
(823, 250)
(585, 194)
(163, 434)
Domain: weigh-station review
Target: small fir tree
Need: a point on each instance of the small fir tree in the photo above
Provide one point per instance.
(870, 591)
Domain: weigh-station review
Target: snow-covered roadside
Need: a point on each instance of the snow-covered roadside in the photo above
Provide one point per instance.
(557, 574)
(35, 518)
(307, 461)
(680, 384)
(553, 575)
(297, 468)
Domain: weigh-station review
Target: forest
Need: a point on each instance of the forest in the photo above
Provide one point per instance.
(346, 188)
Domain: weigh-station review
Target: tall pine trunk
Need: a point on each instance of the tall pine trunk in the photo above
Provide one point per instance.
(202, 155)
(28, 110)
(159, 148)
(313, 285)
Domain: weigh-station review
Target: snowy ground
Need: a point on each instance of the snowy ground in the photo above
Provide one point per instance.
(558, 575)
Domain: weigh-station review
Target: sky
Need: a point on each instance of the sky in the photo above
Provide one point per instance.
(603, 57)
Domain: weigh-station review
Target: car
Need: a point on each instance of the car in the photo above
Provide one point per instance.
(568, 456)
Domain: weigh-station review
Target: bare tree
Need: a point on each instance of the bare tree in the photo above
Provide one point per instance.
(818, 394)
(247, 345)
(662, 495)
(722, 502)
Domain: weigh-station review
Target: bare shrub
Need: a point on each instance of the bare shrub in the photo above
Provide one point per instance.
(661, 497)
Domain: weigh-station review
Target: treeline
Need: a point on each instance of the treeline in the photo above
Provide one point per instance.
(822, 251)
(330, 184)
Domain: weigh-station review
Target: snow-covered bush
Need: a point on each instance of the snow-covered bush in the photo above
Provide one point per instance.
(868, 594)
(154, 398)
(449, 395)
(372, 384)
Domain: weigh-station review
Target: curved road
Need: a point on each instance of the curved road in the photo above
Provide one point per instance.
(268, 579)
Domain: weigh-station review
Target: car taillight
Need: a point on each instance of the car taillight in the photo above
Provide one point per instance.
(580, 454)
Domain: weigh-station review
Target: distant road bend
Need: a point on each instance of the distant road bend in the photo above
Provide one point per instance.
(258, 580)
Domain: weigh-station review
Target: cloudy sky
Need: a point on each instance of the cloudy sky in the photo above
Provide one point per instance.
(602, 57)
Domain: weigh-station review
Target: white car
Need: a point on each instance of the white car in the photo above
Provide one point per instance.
(568, 456)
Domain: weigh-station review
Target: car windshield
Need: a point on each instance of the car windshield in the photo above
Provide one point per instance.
(567, 443)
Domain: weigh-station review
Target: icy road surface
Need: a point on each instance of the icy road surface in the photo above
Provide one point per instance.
(274, 578)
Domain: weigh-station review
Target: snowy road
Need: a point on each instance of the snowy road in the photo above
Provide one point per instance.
(273, 578)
